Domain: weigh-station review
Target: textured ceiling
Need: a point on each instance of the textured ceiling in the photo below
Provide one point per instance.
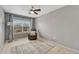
(24, 9)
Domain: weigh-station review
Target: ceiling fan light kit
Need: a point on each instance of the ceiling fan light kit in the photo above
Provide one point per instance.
(34, 11)
(31, 12)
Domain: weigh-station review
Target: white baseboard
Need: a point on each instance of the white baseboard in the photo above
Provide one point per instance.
(74, 50)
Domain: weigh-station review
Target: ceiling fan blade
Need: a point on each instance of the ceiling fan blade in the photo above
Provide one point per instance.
(37, 10)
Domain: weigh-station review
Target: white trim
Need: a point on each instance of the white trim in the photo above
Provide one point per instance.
(74, 50)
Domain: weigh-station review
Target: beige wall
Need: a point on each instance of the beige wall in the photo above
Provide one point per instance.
(61, 25)
(1, 27)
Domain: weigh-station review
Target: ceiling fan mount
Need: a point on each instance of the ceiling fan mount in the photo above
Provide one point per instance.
(34, 11)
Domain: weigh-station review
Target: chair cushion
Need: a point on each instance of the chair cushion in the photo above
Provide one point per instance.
(32, 33)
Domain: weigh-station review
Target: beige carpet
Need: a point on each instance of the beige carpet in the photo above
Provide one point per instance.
(32, 47)
(39, 46)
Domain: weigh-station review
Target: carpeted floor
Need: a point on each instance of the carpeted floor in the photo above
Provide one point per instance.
(40, 47)
(32, 47)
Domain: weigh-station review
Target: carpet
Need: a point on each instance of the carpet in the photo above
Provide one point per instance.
(32, 47)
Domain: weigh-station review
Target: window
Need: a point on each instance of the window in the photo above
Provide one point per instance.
(21, 24)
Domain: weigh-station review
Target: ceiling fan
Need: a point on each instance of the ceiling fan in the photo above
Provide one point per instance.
(34, 11)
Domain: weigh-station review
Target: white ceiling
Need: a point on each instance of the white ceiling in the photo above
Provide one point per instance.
(24, 9)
